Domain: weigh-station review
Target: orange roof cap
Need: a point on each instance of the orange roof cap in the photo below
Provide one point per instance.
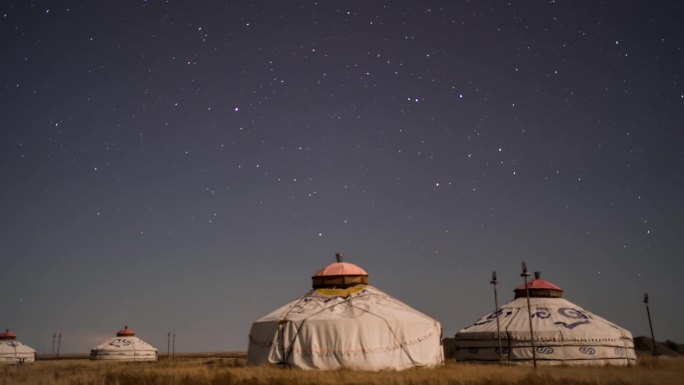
(340, 268)
(125, 332)
(7, 335)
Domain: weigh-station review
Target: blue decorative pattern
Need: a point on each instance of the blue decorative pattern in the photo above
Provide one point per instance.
(503, 313)
(545, 350)
(119, 342)
(574, 314)
(542, 313)
(587, 350)
(504, 350)
(620, 352)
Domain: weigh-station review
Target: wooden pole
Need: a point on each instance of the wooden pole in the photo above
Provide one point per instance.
(650, 325)
(496, 312)
(525, 274)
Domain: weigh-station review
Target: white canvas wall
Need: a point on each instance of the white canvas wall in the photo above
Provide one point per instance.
(564, 333)
(368, 330)
(15, 352)
(128, 348)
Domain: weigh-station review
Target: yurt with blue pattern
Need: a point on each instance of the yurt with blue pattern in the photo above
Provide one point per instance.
(564, 333)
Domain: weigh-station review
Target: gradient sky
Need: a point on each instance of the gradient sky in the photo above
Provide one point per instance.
(186, 166)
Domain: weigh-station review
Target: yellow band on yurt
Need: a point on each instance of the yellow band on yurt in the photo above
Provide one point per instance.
(341, 292)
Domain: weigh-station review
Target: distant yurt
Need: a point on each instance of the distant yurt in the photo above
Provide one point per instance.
(345, 323)
(124, 347)
(13, 351)
(564, 333)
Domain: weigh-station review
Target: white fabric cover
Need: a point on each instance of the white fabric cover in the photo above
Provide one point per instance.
(15, 352)
(564, 333)
(368, 330)
(127, 348)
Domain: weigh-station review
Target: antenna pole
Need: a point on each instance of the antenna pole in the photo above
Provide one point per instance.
(650, 324)
(168, 345)
(496, 312)
(525, 274)
(54, 335)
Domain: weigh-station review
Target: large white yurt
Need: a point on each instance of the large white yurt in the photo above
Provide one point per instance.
(124, 347)
(564, 333)
(345, 323)
(13, 351)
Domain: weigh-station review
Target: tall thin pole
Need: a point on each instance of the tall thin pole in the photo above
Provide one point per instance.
(168, 345)
(525, 274)
(650, 324)
(59, 343)
(496, 312)
(54, 336)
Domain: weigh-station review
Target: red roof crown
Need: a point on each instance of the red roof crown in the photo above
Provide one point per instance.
(125, 332)
(538, 288)
(339, 275)
(7, 335)
(340, 268)
(539, 284)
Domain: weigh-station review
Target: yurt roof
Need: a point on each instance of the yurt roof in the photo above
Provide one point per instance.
(538, 288)
(7, 335)
(339, 275)
(124, 343)
(125, 332)
(340, 268)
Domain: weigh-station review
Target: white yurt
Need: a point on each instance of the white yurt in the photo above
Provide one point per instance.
(564, 333)
(345, 323)
(124, 347)
(13, 351)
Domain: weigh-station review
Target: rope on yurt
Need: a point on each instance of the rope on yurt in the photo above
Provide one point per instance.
(301, 324)
(299, 327)
(281, 339)
(286, 358)
(396, 339)
(394, 335)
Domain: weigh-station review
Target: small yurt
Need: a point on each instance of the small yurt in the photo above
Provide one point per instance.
(564, 333)
(13, 351)
(344, 322)
(124, 347)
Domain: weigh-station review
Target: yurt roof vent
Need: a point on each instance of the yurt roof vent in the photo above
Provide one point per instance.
(339, 275)
(539, 288)
(7, 335)
(125, 332)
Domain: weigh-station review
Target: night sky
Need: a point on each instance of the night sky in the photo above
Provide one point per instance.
(186, 166)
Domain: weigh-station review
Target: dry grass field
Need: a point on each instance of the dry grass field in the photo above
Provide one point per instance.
(232, 370)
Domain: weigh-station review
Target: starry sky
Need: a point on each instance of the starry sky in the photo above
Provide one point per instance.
(186, 166)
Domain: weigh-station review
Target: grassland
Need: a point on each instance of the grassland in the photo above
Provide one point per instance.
(232, 370)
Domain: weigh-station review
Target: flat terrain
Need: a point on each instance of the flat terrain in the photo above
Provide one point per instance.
(231, 369)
